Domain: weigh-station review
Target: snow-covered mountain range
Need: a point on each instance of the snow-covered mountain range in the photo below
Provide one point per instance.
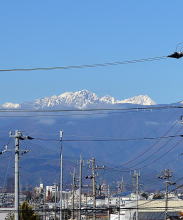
(80, 100)
(42, 160)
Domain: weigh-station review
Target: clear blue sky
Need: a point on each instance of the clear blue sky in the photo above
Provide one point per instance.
(48, 33)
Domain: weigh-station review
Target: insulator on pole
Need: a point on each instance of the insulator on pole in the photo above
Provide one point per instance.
(176, 55)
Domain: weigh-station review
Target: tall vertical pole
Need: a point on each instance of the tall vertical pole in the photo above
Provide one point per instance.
(94, 188)
(73, 193)
(45, 204)
(17, 175)
(136, 176)
(18, 136)
(61, 172)
(86, 204)
(122, 184)
(166, 200)
(80, 184)
(93, 178)
(108, 195)
(119, 204)
(137, 195)
(166, 175)
(55, 185)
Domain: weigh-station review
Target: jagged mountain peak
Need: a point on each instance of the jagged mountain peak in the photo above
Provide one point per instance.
(84, 98)
(82, 95)
(140, 100)
(80, 100)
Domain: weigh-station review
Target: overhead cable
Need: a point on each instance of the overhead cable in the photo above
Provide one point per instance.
(156, 151)
(151, 107)
(86, 65)
(110, 139)
(149, 148)
(163, 155)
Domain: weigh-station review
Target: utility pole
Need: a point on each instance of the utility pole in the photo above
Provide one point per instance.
(119, 207)
(73, 192)
(136, 176)
(61, 172)
(94, 185)
(120, 185)
(45, 204)
(93, 178)
(108, 199)
(166, 199)
(55, 185)
(86, 204)
(80, 184)
(120, 189)
(166, 175)
(18, 136)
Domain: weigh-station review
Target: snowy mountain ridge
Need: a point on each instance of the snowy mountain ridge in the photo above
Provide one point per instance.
(10, 105)
(80, 100)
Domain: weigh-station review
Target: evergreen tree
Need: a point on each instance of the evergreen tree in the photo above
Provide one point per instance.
(26, 213)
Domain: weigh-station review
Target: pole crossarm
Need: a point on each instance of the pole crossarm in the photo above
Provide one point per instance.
(18, 136)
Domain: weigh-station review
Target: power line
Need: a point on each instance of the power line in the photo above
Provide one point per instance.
(86, 65)
(110, 139)
(70, 114)
(163, 155)
(116, 170)
(155, 152)
(91, 109)
(160, 157)
(149, 148)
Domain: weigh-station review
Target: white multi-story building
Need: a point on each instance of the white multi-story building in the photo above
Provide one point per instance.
(51, 190)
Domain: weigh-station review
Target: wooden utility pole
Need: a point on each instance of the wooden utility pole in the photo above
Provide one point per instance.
(61, 172)
(73, 192)
(136, 176)
(80, 184)
(18, 136)
(55, 196)
(108, 201)
(93, 178)
(166, 175)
